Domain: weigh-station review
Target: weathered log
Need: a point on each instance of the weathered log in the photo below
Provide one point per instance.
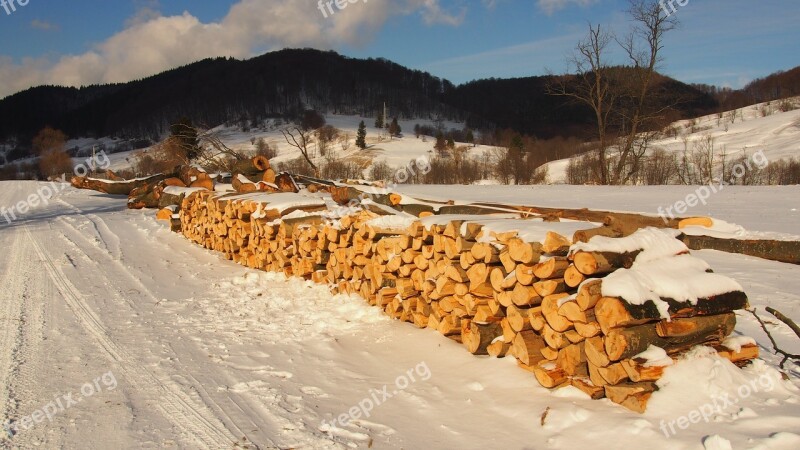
(613, 312)
(588, 215)
(623, 343)
(586, 235)
(115, 187)
(782, 251)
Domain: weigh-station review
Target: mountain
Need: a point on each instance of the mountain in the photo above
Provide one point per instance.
(284, 83)
(215, 91)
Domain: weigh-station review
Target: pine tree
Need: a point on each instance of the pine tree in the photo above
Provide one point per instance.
(470, 136)
(517, 144)
(394, 128)
(361, 136)
(379, 121)
(440, 144)
(451, 144)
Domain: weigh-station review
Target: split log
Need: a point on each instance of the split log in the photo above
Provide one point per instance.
(573, 277)
(633, 396)
(549, 375)
(552, 268)
(638, 372)
(524, 252)
(598, 263)
(550, 305)
(476, 337)
(555, 244)
(584, 384)
(589, 294)
(527, 347)
(572, 360)
(596, 352)
(499, 348)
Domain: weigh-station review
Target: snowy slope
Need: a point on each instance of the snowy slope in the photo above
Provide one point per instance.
(397, 152)
(777, 134)
(207, 354)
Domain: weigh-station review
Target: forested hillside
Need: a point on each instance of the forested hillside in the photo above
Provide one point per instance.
(284, 83)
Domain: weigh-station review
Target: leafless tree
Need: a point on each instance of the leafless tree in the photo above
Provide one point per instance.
(325, 138)
(659, 168)
(592, 87)
(619, 97)
(263, 148)
(643, 47)
(344, 142)
(301, 140)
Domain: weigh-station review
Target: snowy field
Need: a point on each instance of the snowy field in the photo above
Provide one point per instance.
(765, 212)
(158, 343)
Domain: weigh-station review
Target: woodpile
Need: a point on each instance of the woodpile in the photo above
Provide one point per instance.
(602, 308)
(502, 287)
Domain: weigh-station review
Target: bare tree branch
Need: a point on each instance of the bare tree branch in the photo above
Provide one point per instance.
(300, 140)
(777, 351)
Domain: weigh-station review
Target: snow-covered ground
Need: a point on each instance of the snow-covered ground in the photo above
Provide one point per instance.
(765, 212)
(182, 349)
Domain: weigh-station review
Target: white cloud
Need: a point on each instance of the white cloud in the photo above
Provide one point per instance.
(43, 25)
(551, 6)
(151, 43)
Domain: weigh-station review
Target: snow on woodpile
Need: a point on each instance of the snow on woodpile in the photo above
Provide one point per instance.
(606, 317)
(682, 278)
(651, 243)
(660, 269)
(180, 190)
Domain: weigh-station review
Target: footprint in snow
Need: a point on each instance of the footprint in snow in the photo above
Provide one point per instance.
(314, 392)
(291, 404)
(475, 386)
(279, 374)
(374, 428)
(247, 386)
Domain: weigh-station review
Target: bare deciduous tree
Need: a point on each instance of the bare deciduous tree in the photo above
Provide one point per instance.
(593, 88)
(620, 97)
(301, 140)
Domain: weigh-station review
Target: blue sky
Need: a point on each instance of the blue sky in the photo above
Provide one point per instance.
(74, 42)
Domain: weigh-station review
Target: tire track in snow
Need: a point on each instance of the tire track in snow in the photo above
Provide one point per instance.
(243, 410)
(109, 238)
(195, 420)
(11, 329)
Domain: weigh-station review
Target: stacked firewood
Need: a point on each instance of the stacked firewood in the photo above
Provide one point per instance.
(550, 304)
